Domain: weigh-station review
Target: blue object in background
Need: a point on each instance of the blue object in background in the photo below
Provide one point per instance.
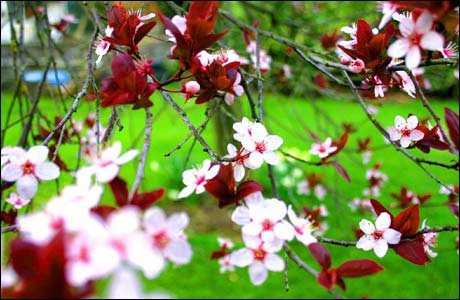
(54, 77)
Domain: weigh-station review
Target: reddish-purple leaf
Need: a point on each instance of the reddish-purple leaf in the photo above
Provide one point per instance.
(145, 200)
(321, 254)
(103, 211)
(358, 268)
(407, 221)
(120, 191)
(452, 122)
(246, 188)
(325, 279)
(379, 208)
(412, 251)
(341, 170)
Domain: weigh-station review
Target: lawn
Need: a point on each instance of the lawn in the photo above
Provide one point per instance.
(289, 118)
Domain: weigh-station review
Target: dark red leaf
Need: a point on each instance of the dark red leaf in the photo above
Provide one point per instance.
(407, 221)
(412, 251)
(248, 187)
(321, 254)
(201, 18)
(358, 268)
(143, 30)
(341, 170)
(452, 121)
(145, 200)
(119, 190)
(325, 279)
(103, 211)
(379, 208)
(363, 32)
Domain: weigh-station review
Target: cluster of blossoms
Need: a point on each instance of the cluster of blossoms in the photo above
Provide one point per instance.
(376, 179)
(312, 183)
(264, 231)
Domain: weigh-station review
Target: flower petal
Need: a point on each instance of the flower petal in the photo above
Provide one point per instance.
(273, 142)
(11, 172)
(366, 242)
(241, 215)
(392, 236)
(252, 228)
(178, 251)
(128, 156)
(400, 123)
(416, 135)
(271, 157)
(424, 22)
(433, 41)
(383, 221)
(154, 219)
(413, 57)
(254, 161)
(242, 257)
(284, 231)
(177, 222)
(27, 186)
(47, 171)
(187, 191)
(274, 263)
(405, 141)
(381, 248)
(412, 122)
(258, 273)
(37, 154)
(366, 226)
(399, 48)
(107, 173)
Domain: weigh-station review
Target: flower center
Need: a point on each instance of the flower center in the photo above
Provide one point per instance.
(161, 239)
(200, 180)
(378, 234)
(259, 254)
(298, 230)
(57, 224)
(260, 147)
(267, 225)
(28, 167)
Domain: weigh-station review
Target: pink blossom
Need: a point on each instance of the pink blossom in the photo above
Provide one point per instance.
(416, 36)
(406, 83)
(237, 90)
(450, 51)
(323, 149)
(181, 24)
(259, 259)
(107, 165)
(405, 131)
(388, 9)
(430, 240)
(166, 234)
(195, 179)
(103, 47)
(226, 264)
(238, 164)
(17, 201)
(379, 236)
(190, 88)
(27, 168)
(303, 228)
(357, 66)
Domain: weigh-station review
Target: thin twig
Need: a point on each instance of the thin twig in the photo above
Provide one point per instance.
(145, 150)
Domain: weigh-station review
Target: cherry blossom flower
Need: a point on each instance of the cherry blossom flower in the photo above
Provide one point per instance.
(406, 83)
(27, 168)
(226, 264)
(238, 164)
(360, 204)
(236, 88)
(103, 47)
(357, 66)
(166, 234)
(195, 179)
(243, 129)
(323, 149)
(225, 242)
(379, 88)
(430, 240)
(388, 9)
(379, 236)
(261, 147)
(107, 165)
(416, 36)
(405, 131)
(367, 155)
(181, 24)
(264, 218)
(10, 151)
(17, 201)
(450, 51)
(190, 88)
(259, 259)
(303, 228)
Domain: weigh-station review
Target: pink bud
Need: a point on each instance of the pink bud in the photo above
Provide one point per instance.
(344, 60)
(357, 66)
(191, 87)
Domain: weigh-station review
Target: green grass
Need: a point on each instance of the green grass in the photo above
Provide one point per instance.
(289, 118)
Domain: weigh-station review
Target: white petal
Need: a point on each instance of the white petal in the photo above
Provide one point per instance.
(242, 257)
(47, 171)
(381, 248)
(258, 273)
(11, 172)
(383, 221)
(27, 186)
(424, 22)
(392, 236)
(400, 123)
(273, 142)
(232, 150)
(267, 236)
(248, 144)
(416, 135)
(258, 132)
(366, 226)
(273, 246)
(241, 215)
(128, 156)
(366, 242)
(154, 219)
(395, 134)
(432, 41)
(276, 209)
(124, 221)
(37, 154)
(125, 285)
(274, 263)
(399, 48)
(212, 172)
(252, 228)
(112, 153)
(271, 157)
(229, 98)
(177, 222)
(413, 57)
(239, 172)
(284, 231)
(187, 191)
(107, 173)
(251, 242)
(292, 216)
(178, 251)
(255, 160)
(405, 141)
(412, 122)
